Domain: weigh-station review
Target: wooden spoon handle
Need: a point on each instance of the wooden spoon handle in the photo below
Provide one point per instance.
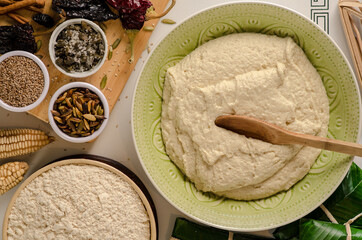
(350, 148)
(255, 128)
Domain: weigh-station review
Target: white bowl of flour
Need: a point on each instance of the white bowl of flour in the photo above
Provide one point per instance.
(79, 199)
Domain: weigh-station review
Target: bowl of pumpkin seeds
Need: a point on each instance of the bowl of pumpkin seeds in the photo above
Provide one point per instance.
(78, 112)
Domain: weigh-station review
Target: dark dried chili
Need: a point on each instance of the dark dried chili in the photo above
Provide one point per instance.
(17, 37)
(94, 10)
(44, 19)
(133, 14)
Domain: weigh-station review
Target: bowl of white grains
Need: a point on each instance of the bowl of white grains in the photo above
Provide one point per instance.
(24, 81)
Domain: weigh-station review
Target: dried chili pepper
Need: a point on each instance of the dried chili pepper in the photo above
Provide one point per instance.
(17, 37)
(44, 19)
(94, 10)
(133, 14)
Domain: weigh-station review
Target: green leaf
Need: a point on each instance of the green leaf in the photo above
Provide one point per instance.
(239, 236)
(186, 230)
(287, 232)
(318, 230)
(344, 204)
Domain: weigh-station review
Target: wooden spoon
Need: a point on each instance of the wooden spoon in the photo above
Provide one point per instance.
(251, 127)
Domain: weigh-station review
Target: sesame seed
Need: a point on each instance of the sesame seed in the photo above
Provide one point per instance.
(21, 81)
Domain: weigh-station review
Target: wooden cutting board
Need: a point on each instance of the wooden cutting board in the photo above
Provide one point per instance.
(117, 68)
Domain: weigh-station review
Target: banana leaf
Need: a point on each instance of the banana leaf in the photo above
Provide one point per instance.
(287, 232)
(344, 204)
(346, 201)
(319, 230)
(186, 230)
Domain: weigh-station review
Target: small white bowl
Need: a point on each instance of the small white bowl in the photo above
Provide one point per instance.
(46, 81)
(60, 91)
(53, 39)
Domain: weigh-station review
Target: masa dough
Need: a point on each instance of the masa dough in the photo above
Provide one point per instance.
(256, 75)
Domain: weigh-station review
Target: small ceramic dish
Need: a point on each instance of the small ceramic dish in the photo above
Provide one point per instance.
(61, 91)
(46, 81)
(53, 40)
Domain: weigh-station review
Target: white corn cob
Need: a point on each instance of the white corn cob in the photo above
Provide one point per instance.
(15, 142)
(11, 174)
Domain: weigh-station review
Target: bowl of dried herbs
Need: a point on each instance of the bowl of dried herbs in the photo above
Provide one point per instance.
(24, 81)
(78, 48)
(78, 112)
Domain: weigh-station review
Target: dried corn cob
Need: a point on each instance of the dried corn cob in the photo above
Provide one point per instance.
(15, 142)
(11, 174)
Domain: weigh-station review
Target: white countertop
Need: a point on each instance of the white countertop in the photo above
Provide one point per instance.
(116, 140)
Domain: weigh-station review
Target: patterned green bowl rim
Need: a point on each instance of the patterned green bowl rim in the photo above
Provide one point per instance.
(280, 214)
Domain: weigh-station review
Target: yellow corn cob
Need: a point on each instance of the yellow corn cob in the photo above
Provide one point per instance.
(11, 174)
(15, 142)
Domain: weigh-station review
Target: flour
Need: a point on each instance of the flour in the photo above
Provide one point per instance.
(78, 202)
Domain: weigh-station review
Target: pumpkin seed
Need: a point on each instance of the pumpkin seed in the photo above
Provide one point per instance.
(80, 127)
(79, 106)
(55, 113)
(67, 117)
(77, 120)
(70, 92)
(99, 117)
(67, 101)
(168, 21)
(116, 43)
(58, 119)
(93, 104)
(103, 82)
(39, 43)
(78, 112)
(86, 125)
(90, 117)
(92, 96)
(62, 98)
(90, 105)
(100, 111)
(66, 131)
(110, 54)
(67, 113)
(85, 107)
(71, 125)
(93, 124)
(148, 28)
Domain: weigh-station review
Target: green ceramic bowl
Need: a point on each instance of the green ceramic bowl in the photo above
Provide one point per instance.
(328, 170)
